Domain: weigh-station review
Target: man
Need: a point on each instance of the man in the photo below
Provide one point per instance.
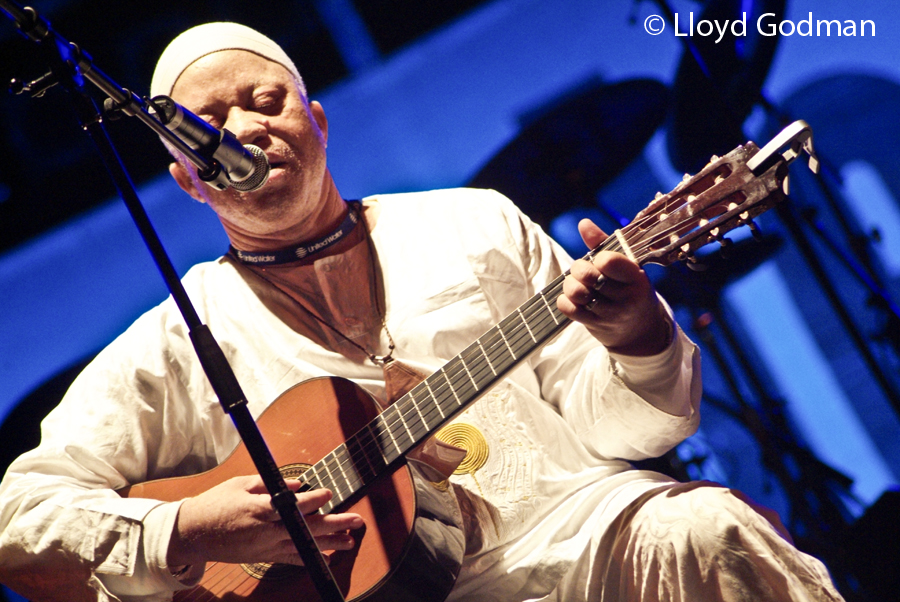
(377, 292)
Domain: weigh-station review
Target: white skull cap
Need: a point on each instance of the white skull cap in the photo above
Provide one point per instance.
(202, 40)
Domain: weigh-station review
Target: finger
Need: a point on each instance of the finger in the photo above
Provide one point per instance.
(591, 234)
(579, 287)
(336, 541)
(617, 267)
(332, 523)
(332, 541)
(576, 312)
(310, 501)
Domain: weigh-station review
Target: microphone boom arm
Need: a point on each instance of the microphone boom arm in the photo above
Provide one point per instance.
(121, 100)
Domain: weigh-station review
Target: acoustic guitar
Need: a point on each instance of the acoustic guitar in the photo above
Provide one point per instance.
(329, 433)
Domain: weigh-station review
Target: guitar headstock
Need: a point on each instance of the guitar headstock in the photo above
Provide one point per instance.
(726, 194)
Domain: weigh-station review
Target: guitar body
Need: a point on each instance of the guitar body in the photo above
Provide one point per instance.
(411, 547)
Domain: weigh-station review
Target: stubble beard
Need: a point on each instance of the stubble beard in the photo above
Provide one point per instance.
(274, 207)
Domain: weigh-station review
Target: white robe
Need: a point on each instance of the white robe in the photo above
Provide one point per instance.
(560, 428)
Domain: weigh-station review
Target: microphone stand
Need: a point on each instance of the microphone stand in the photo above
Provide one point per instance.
(69, 67)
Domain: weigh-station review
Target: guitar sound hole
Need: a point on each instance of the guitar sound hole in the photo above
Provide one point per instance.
(265, 571)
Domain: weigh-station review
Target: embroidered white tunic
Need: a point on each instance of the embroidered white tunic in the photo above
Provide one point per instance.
(559, 429)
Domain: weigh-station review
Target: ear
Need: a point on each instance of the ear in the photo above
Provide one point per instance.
(318, 114)
(185, 181)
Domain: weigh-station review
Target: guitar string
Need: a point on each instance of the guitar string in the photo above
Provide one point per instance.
(442, 395)
(239, 576)
(679, 203)
(366, 448)
(410, 415)
(368, 443)
(441, 392)
(222, 572)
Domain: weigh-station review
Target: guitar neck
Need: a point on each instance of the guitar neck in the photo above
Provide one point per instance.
(723, 195)
(437, 399)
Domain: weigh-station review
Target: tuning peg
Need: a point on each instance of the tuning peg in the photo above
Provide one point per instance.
(755, 231)
(696, 265)
(726, 243)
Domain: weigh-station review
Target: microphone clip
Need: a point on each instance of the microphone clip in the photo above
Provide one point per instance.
(230, 164)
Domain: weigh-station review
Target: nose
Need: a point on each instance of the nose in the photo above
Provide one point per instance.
(247, 126)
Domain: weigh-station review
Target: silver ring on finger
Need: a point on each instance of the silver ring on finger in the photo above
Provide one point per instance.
(596, 287)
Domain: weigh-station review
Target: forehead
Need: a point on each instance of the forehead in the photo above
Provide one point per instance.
(225, 74)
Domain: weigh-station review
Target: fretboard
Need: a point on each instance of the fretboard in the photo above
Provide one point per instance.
(437, 399)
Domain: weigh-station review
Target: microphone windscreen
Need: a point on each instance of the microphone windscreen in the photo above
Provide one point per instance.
(260, 173)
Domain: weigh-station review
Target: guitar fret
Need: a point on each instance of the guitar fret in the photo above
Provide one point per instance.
(418, 410)
(347, 481)
(507, 344)
(625, 247)
(478, 360)
(330, 476)
(418, 428)
(525, 322)
(431, 392)
(361, 451)
(406, 428)
(452, 390)
(501, 359)
(377, 441)
(487, 359)
(390, 433)
(546, 328)
(520, 340)
(393, 426)
(460, 380)
(345, 464)
(366, 440)
(350, 464)
(312, 481)
(547, 305)
(390, 454)
(540, 326)
(469, 374)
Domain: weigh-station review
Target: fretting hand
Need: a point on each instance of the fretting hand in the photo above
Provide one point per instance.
(621, 309)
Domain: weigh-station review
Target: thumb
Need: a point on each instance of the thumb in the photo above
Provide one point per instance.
(591, 233)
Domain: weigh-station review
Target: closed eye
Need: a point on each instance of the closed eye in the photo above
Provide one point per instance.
(268, 101)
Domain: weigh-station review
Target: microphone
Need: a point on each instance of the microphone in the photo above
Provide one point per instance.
(243, 167)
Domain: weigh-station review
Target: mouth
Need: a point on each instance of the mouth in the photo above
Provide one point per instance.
(276, 167)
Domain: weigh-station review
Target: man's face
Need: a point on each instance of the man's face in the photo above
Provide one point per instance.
(259, 102)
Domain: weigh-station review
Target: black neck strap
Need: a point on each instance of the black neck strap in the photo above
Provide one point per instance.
(304, 250)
